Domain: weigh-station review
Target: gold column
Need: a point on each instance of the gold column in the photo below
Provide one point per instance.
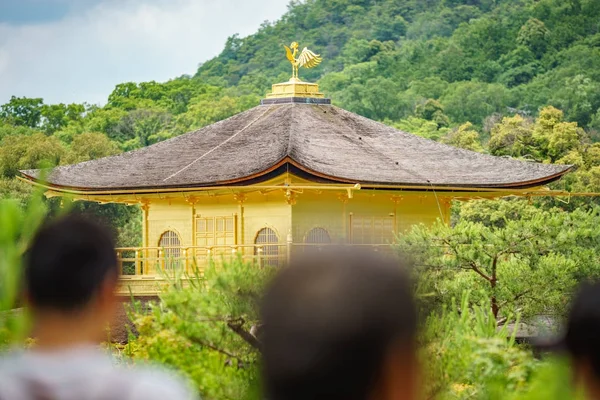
(190, 253)
(344, 199)
(240, 239)
(447, 203)
(290, 198)
(240, 198)
(193, 204)
(397, 200)
(145, 208)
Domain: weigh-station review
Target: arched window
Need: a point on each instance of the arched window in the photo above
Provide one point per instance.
(171, 245)
(270, 245)
(317, 235)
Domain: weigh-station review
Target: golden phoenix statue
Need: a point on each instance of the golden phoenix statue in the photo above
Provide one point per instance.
(307, 59)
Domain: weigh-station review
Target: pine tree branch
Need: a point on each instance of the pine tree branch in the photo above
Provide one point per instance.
(236, 325)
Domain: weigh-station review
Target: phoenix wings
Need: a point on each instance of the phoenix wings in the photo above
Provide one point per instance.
(308, 59)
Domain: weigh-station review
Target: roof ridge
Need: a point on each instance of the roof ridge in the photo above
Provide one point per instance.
(290, 127)
(219, 145)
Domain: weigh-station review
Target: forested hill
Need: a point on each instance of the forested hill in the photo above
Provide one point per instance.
(477, 57)
(478, 74)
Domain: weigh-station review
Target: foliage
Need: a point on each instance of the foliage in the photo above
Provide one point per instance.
(421, 127)
(520, 265)
(28, 152)
(512, 137)
(542, 52)
(22, 111)
(432, 110)
(89, 146)
(207, 330)
(125, 220)
(496, 213)
(467, 356)
(18, 227)
(465, 137)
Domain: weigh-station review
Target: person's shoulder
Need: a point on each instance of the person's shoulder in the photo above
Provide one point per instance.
(154, 383)
(9, 359)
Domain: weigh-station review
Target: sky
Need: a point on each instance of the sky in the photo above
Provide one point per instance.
(67, 51)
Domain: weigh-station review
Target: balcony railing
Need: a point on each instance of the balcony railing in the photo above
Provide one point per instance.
(150, 261)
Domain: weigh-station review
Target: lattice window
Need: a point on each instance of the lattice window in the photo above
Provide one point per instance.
(270, 249)
(171, 244)
(317, 235)
(215, 231)
(371, 230)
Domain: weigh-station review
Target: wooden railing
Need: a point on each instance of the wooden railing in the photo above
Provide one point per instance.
(158, 260)
(145, 270)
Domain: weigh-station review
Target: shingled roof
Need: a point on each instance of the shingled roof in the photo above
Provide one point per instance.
(321, 141)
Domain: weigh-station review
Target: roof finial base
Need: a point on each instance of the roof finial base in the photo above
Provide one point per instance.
(295, 88)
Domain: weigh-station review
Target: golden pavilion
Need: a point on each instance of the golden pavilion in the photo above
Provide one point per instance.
(290, 173)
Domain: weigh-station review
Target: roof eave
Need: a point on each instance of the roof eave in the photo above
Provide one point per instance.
(28, 176)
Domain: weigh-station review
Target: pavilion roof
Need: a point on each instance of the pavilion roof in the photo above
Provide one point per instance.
(321, 140)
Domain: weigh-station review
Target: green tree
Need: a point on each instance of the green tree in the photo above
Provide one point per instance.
(28, 152)
(513, 137)
(556, 137)
(474, 101)
(89, 146)
(16, 190)
(19, 224)
(22, 111)
(465, 137)
(466, 355)
(432, 110)
(579, 97)
(526, 266)
(206, 110)
(535, 36)
(421, 127)
(139, 128)
(207, 330)
(6, 129)
(106, 120)
(57, 116)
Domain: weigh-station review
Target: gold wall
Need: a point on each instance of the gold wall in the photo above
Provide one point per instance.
(370, 216)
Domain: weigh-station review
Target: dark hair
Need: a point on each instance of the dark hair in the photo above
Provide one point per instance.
(583, 326)
(68, 261)
(328, 322)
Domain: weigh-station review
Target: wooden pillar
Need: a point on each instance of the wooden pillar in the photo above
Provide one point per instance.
(346, 236)
(446, 206)
(193, 204)
(145, 239)
(397, 200)
(290, 198)
(191, 253)
(240, 198)
(240, 223)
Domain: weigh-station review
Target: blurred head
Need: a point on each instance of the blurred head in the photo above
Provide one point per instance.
(294, 45)
(71, 269)
(582, 338)
(340, 325)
